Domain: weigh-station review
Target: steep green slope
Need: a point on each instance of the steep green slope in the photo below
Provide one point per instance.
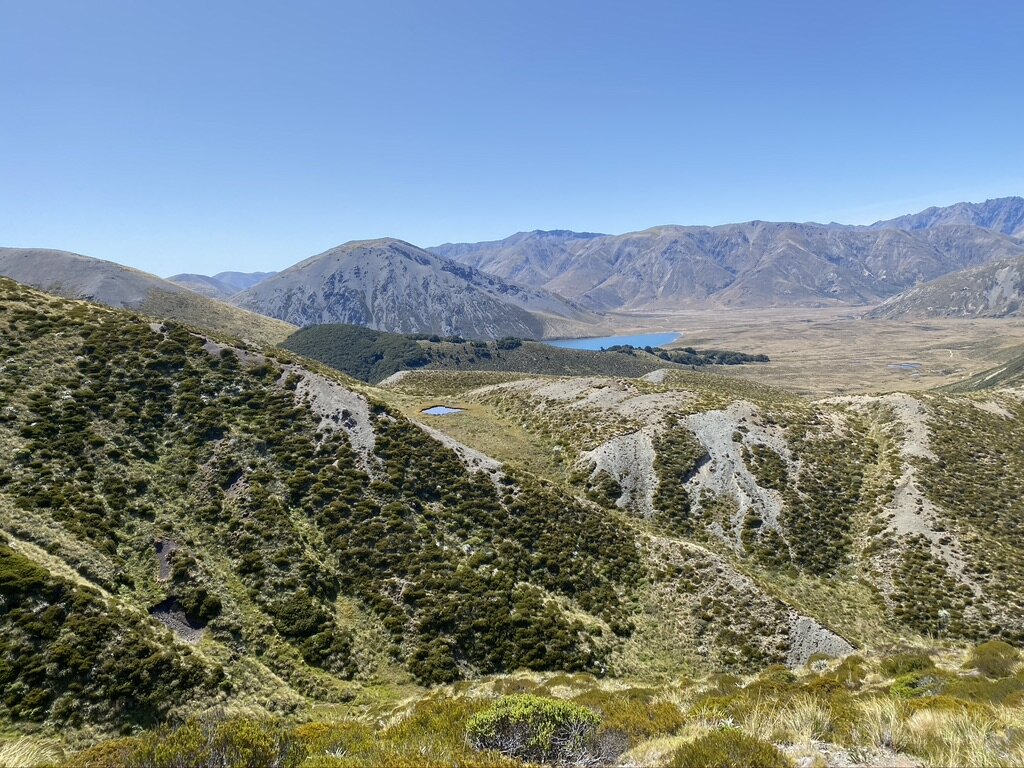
(278, 520)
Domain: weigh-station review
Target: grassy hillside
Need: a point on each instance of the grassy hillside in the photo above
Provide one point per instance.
(301, 527)
(190, 525)
(210, 314)
(1009, 374)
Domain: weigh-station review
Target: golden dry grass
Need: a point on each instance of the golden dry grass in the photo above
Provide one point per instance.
(818, 352)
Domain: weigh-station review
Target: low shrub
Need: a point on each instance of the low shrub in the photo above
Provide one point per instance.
(915, 684)
(906, 663)
(537, 729)
(728, 748)
(994, 659)
(633, 713)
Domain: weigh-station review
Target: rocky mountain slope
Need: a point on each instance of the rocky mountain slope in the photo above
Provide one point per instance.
(529, 258)
(1005, 215)
(756, 264)
(994, 289)
(82, 277)
(223, 285)
(394, 286)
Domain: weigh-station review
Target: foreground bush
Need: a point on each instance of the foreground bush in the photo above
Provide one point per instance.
(728, 748)
(212, 741)
(994, 659)
(538, 730)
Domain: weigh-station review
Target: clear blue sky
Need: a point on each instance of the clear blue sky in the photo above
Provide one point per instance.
(200, 136)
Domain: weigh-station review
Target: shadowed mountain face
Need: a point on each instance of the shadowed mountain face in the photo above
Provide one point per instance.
(391, 285)
(995, 289)
(757, 264)
(1004, 215)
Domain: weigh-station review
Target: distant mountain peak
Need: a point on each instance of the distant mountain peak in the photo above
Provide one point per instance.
(392, 285)
(1002, 214)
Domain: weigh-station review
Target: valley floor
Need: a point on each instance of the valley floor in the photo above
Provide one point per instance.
(818, 352)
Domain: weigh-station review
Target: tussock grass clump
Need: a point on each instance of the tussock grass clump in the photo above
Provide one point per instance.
(994, 659)
(728, 748)
(635, 713)
(28, 752)
(901, 664)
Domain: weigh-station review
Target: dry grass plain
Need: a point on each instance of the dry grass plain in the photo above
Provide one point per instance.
(821, 352)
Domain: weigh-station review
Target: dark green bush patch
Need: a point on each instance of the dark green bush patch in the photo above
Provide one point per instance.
(70, 656)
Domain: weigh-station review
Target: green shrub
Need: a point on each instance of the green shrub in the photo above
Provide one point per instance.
(906, 663)
(994, 659)
(915, 684)
(236, 742)
(633, 713)
(536, 729)
(728, 748)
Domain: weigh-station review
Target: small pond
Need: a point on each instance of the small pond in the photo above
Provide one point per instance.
(603, 342)
(441, 410)
(911, 367)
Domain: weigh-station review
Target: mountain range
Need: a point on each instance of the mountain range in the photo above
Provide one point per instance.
(953, 261)
(223, 285)
(754, 264)
(1005, 215)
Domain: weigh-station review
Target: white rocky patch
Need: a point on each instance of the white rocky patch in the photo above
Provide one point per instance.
(807, 637)
(339, 408)
(726, 473)
(629, 459)
(474, 460)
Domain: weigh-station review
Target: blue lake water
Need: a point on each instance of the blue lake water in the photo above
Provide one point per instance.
(441, 410)
(638, 340)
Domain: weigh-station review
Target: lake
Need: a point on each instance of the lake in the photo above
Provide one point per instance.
(637, 340)
(441, 410)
